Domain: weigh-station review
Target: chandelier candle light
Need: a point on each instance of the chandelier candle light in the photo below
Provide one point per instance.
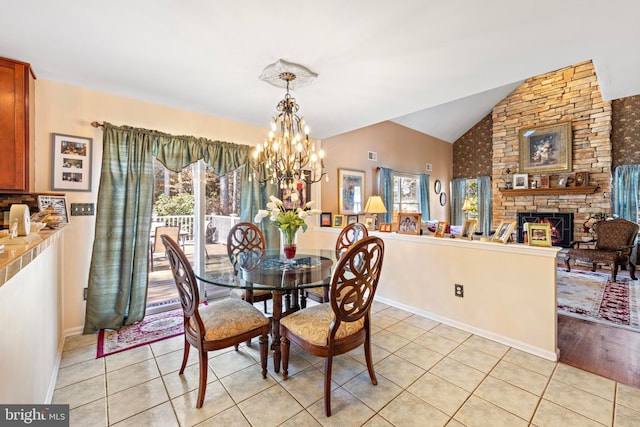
(288, 221)
(288, 151)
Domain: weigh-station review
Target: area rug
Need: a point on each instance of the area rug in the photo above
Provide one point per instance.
(154, 327)
(593, 296)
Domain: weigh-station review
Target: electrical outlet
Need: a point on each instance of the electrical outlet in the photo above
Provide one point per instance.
(458, 290)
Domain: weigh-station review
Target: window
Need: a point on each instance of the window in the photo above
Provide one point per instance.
(406, 197)
(471, 193)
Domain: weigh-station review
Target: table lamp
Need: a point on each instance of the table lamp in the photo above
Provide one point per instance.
(375, 206)
(466, 206)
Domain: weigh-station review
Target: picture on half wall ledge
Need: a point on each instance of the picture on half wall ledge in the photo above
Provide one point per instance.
(546, 148)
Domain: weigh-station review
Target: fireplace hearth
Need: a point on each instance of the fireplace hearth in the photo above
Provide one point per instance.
(561, 226)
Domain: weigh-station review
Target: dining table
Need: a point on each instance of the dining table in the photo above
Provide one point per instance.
(285, 278)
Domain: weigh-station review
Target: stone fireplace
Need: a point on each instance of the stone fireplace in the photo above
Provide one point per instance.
(569, 94)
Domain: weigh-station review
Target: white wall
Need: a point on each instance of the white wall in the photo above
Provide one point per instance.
(509, 290)
(31, 339)
(69, 110)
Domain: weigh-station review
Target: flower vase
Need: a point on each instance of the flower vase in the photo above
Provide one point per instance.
(289, 239)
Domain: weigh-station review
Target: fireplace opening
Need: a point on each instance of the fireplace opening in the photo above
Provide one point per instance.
(561, 226)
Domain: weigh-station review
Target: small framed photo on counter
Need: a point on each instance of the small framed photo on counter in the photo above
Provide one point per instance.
(325, 219)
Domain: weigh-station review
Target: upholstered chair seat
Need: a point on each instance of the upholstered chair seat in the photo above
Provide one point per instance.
(229, 318)
(314, 324)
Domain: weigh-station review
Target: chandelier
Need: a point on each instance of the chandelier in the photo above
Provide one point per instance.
(287, 155)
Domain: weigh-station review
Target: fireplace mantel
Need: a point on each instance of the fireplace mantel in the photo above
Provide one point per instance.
(590, 189)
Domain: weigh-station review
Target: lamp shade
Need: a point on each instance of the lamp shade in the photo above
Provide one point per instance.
(467, 205)
(375, 205)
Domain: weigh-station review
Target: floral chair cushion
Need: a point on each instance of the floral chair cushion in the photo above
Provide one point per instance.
(230, 317)
(312, 324)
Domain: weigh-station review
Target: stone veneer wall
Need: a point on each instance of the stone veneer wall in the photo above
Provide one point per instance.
(472, 152)
(625, 132)
(571, 93)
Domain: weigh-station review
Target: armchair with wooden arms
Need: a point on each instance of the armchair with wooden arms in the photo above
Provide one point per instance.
(613, 246)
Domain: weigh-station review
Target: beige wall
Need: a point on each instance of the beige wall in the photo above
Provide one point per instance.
(69, 110)
(66, 109)
(398, 148)
(509, 290)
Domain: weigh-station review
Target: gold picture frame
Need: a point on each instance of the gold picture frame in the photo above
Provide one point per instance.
(539, 234)
(338, 221)
(503, 232)
(385, 227)
(409, 223)
(546, 148)
(441, 228)
(468, 228)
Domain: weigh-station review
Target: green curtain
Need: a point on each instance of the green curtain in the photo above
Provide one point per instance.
(254, 196)
(118, 277)
(117, 289)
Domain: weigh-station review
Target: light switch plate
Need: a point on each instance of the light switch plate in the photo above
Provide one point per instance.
(83, 209)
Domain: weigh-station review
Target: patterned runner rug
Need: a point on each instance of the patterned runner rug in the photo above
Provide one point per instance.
(154, 327)
(594, 297)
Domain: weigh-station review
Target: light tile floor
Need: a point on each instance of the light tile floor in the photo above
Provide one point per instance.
(429, 374)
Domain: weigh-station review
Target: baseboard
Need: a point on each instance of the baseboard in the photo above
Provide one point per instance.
(545, 354)
(54, 372)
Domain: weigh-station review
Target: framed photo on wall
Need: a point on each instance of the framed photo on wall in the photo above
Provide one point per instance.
(351, 191)
(546, 148)
(71, 162)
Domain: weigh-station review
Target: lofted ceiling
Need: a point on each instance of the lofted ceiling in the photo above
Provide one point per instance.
(436, 67)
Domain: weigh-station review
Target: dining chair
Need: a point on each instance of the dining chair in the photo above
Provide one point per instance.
(245, 247)
(328, 330)
(156, 246)
(218, 325)
(347, 237)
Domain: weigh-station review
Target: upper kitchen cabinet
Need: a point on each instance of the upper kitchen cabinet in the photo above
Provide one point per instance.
(17, 126)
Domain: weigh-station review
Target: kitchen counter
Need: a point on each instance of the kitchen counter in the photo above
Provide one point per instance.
(15, 257)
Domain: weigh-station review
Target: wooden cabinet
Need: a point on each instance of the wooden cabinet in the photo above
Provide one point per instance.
(16, 126)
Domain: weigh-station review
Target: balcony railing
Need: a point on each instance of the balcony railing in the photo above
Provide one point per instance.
(222, 224)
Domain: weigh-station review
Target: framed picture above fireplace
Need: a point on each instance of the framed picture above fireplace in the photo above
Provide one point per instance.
(546, 148)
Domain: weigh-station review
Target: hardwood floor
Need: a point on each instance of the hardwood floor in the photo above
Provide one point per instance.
(604, 350)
